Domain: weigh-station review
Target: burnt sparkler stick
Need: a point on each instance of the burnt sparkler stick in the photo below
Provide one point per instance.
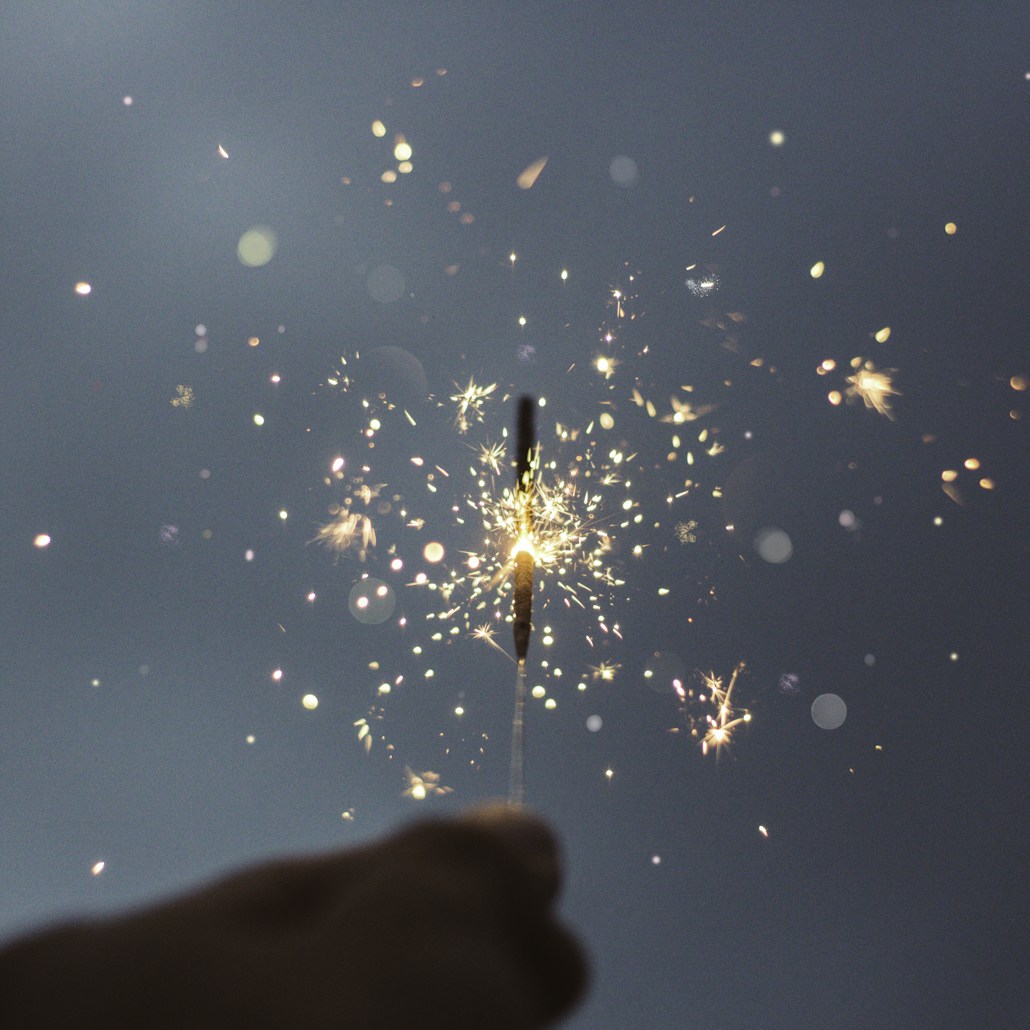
(525, 559)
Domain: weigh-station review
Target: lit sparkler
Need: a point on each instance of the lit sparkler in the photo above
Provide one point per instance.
(574, 516)
(525, 557)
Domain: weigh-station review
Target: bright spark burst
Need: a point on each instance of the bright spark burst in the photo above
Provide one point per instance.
(725, 719)
(470, 402)
(348, 530)
(568, 539)
(487, 634)
(874, 386)
(423, 785)
(493, 456)
(709, 712)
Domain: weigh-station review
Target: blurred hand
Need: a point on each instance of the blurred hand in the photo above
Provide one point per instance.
(445, 924)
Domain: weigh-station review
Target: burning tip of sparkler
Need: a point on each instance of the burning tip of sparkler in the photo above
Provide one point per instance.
(524, 545)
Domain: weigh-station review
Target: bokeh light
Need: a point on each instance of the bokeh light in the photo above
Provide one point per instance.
(665, 669)
(829, 711)
(623, 171)
(371, 601)
(385, 284)
(773, 545)
(257, 246)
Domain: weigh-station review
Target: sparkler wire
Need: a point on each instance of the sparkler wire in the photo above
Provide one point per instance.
(517, 787)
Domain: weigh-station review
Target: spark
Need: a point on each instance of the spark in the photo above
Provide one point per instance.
(565, 536)
(487, 633)
(183, 397)
(704, 286)
(725, 720)
(364, 733)
(168, 534)
(423, 785)
(345, 532)
(708, 709)
(492, 456)
(470, 401)
(685, 532)
(528, 176)
(684, 411)
(874, 386)
(605, 671)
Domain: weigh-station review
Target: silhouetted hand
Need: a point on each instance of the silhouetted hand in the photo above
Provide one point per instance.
(445, 924)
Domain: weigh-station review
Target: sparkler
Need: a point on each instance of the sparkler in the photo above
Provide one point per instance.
(571, 516)
(525, 559)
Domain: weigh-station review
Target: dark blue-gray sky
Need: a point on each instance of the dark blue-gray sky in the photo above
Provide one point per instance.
(891, 887)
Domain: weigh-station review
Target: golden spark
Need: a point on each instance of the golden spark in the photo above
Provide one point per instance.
(874, 386)
(492, 455)
(470, 401)
(345, 531)
(183, 397)
(423, 785)
(685, 532)
(725, 720)
(683, 411)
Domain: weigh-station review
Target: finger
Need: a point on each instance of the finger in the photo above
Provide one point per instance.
(529, 840)
(499, 870)
(559, 972)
